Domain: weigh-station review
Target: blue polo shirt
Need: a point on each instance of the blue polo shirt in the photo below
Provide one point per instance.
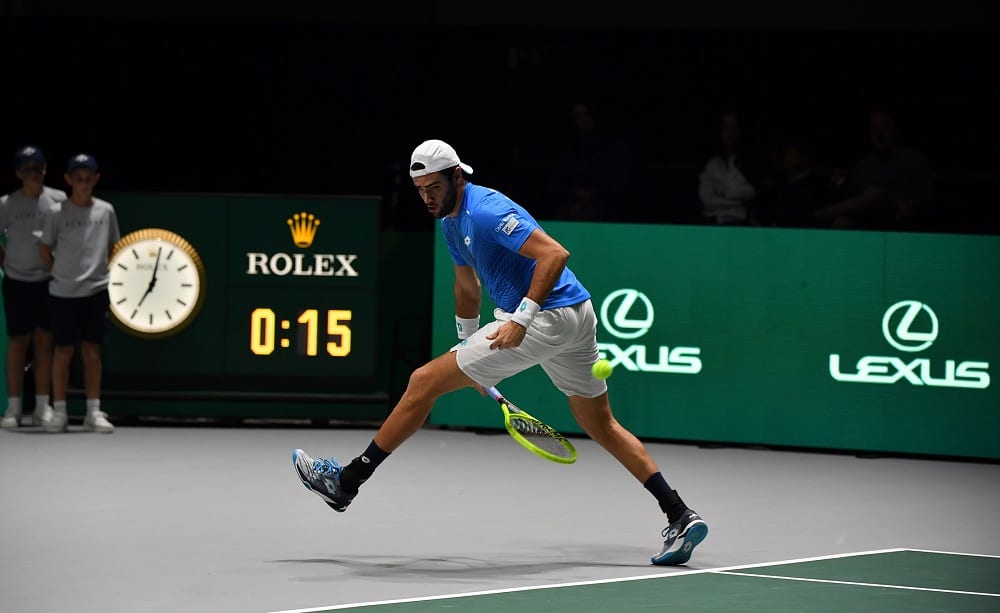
(486, 234)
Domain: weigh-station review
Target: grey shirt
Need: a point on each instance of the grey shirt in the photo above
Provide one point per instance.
(80, 237)
(21, 220)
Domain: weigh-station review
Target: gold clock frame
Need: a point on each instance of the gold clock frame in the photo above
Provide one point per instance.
(178, 241)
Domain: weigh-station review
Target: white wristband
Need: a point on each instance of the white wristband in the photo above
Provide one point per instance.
(466, 327)
(525, 312)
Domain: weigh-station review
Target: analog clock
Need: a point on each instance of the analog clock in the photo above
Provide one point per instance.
(157, 283)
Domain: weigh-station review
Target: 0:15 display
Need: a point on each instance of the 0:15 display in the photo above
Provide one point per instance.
(264, 335)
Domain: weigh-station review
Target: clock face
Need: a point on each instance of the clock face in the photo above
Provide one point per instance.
(157, 283)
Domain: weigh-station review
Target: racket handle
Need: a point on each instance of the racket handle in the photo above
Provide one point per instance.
(494, 393)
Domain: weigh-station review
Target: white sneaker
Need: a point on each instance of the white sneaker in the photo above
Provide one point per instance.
(41, 415)
(97, 421)
(56, 422)
(11, 419)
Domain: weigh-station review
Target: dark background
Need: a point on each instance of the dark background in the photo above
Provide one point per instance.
(331, 99)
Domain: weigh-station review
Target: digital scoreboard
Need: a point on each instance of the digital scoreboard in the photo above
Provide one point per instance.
(301, 332)
(289, 294)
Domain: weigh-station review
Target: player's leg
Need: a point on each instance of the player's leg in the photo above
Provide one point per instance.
(17, 314)
(596, 419)
(90, 354)
(425, 386)
(64, 313)
(17, 349)
(685, 528)
(570, 371)
(469, 364)
(42, 360)
(42, 366)
(339, 485)
(95, 317)
(62, 358)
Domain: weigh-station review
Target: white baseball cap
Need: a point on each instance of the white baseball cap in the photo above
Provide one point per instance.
(434, 156)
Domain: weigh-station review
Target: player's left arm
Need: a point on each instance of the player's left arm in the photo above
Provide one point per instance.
(468, 292)
(550, 261)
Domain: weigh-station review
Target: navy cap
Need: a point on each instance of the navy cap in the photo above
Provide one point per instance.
(27, 154)
(81, 160)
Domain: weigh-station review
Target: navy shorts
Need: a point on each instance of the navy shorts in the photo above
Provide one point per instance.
(26, 306)
(79, 319)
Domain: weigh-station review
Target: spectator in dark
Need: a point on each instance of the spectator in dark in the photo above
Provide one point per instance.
(729, 185)
(799, 191)
(591, 175)
(888, 189)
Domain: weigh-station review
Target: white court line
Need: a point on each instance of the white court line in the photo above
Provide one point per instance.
(894, 587)
(954, 553)
(593, 582)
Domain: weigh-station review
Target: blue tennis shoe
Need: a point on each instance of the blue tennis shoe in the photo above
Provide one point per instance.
(680, 539)
(321, 476)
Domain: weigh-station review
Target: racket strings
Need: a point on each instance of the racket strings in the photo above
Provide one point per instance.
(529, 427)
(540, 435)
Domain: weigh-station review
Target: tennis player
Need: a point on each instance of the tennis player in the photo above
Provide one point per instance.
(543, 316)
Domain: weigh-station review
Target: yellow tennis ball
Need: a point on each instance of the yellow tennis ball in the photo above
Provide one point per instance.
(602, 369)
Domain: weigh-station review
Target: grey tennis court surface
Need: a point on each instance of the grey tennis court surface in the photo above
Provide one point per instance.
(195, 519)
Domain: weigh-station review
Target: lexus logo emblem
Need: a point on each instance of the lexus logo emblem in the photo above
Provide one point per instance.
(627, 313)
(903, 336)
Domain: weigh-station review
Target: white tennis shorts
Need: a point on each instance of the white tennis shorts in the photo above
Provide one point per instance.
(563, 341)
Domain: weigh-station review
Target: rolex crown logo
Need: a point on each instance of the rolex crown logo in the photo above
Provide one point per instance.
(303, 226)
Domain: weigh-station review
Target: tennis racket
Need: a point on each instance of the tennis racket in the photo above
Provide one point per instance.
(532, 434)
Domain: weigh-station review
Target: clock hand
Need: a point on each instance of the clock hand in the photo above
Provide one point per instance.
(146, 293)
(156, 268)
(152, 282)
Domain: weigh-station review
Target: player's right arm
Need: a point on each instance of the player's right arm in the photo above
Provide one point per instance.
(468, 292)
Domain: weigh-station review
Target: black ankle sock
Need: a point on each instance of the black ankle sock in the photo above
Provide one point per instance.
(670, 501)
(362, 467)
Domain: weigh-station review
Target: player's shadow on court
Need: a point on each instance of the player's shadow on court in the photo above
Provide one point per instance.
(457, 567)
